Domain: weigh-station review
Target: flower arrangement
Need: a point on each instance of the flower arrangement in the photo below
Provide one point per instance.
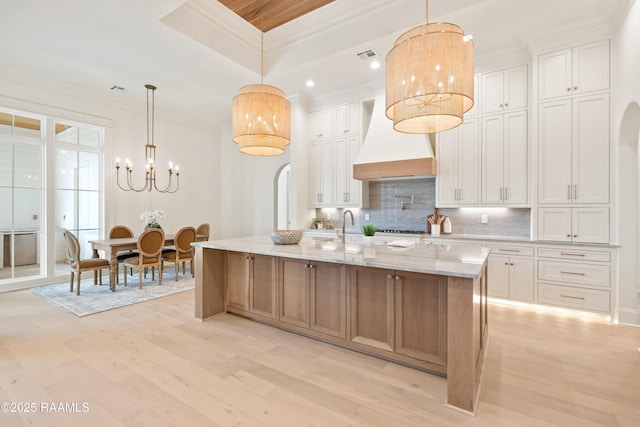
(151, 218)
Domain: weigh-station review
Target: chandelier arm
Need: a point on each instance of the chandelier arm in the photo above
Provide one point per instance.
(130, 182)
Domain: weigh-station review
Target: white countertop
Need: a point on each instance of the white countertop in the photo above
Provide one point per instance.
(447, 260)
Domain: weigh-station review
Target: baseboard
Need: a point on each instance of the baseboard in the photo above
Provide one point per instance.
(628, 316)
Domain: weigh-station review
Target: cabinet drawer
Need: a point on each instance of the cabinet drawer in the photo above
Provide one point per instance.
(511, 250)
(567, 296)
(574, 254)
(581, 274)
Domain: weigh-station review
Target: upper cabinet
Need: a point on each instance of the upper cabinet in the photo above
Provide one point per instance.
(458, 154)
(504, 90)
(476, 99)
(505, 159)
(347, 120)
(321, 125)
(335, 143)
(575, 71)
(574, 150)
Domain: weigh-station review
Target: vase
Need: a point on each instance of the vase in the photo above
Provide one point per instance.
(154, 225)
(369, 240)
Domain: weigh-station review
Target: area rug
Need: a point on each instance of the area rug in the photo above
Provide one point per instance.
(95, 298)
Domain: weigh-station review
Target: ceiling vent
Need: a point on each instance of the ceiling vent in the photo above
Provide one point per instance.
(366, 55)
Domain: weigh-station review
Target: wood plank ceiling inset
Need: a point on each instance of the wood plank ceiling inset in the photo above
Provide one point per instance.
(266, 15)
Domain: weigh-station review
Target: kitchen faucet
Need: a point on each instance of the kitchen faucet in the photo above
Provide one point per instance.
(344, 221)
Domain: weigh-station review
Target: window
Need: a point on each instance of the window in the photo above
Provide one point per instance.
(39, 152)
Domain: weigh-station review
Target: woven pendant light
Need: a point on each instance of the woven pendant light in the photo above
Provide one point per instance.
(261, 118)
(429, 78)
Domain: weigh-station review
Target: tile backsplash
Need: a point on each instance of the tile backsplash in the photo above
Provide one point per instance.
(386, 199)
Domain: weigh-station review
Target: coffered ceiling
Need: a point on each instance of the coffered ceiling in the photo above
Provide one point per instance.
(266, 15)
(199, 52)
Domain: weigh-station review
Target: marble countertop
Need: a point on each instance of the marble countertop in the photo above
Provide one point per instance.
(455, 260)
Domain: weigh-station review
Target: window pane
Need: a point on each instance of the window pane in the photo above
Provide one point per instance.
(65, 209)
(61, 251)
(67, 166)
(5, 123)
(88, 209)
(27, 209)
(88, 172)
(66, 133)
(26, 126)
(7, 209)
(28, 161)
(6, 163)
(89, 137)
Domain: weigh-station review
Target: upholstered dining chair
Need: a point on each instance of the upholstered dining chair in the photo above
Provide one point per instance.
(150, 245)
(183, 251)
(202, 232)
(79, 265)
(118, 232)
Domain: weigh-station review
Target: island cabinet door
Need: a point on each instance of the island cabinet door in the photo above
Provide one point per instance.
(421, 316)
(237, 295)
(262, 285)
(293, 282)
(372, 308)
(329, 298)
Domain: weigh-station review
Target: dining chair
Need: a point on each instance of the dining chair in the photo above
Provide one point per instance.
(79, 265)
(183, 251)
(202, 232)
(150, 245)
(119, 232)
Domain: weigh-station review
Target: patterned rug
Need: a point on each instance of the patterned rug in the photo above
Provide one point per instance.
(95, 298)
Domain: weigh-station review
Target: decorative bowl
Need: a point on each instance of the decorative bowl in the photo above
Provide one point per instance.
(286, 237)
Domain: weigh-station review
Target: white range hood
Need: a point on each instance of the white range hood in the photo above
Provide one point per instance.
(386, 153)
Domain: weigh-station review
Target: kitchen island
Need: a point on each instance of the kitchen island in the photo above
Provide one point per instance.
(424, 305)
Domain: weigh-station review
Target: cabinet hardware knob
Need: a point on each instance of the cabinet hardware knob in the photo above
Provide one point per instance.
(397, 277)
(501, 191)
(569, 191)
(570, 254)
(501, 105)
(511, 263)
(311, 266)
(575, 191)
(568, 89)
(389, 276)
(575, 235)
(568, 235)
(506, 105)
(506, 263)
(575, 88)
(506, 193)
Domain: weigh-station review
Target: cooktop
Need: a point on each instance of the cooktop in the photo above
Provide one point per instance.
(390, 230)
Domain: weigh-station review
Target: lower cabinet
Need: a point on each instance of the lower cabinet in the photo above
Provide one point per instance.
(251, 283)
(400, 312)
(313, 295)
(511, 273)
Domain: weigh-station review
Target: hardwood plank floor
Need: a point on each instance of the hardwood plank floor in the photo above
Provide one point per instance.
(154, 364)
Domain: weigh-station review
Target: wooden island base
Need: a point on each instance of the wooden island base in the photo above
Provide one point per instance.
(432, 322)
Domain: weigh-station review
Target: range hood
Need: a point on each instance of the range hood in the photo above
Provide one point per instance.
(386, 153)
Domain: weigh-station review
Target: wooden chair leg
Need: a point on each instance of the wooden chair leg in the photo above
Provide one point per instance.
(177, 269)
(140, 277)
(191, 267)
(160, 274)
(100, 277)
(78, 283)
(95, 277)
(125, 276)
(71, 287)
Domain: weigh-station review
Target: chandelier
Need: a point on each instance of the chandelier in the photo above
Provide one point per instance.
(429, 78)
(261, 117)
(150, 182)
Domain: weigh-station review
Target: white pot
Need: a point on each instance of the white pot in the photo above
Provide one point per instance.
(369, 240)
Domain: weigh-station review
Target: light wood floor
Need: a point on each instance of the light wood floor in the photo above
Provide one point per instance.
(154, 364)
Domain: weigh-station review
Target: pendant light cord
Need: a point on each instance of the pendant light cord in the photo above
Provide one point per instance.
(261, 58)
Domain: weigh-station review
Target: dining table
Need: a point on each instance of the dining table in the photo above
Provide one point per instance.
(111, 247)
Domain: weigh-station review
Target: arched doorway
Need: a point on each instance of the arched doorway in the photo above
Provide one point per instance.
(629, 208)
(282, 204)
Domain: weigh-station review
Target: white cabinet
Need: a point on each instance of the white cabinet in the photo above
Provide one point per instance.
(349, 191)
(577, 225)
(321, 162)
(574, 151)
(473, 111)
(321, 125)
(458, 165)
(505, 159)
(575, 71)
(511, 277)
(347, 119)
(335, 144)
(576, 278)
(504, 90)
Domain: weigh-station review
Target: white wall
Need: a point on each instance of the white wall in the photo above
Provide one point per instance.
(626, 122)
(193, 146)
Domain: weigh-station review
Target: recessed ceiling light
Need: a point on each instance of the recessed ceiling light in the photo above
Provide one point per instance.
(375, 64)
(310, 83)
